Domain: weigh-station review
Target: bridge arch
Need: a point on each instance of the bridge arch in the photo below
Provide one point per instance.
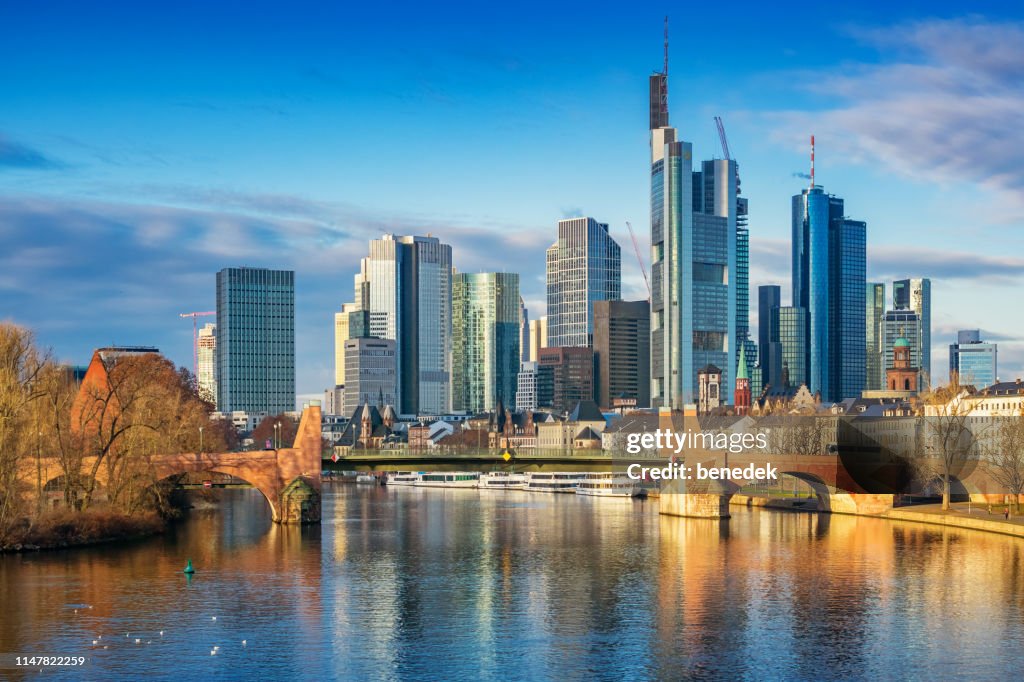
(268, 494)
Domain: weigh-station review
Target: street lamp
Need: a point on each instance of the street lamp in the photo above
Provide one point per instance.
(200, 439)
(277, 435)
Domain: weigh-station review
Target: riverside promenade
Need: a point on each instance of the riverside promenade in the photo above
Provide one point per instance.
(961, 515)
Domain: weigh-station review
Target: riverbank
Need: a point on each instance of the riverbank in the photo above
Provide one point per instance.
(66, 529)
(960, 515)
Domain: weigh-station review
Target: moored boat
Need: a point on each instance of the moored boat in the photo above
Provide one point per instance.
(403, 478)
(607, 484)
(502, 480)
(553, 482)
(449, 479)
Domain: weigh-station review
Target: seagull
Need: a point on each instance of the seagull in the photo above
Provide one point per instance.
(213, 618)
(161, 633)
(95, 642)
(215, 648)
(213, 652)
(138, 641)
(243, 642)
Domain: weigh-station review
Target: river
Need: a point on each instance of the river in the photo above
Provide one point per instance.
(411, 583)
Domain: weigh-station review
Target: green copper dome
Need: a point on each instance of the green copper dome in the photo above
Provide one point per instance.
(901, 343)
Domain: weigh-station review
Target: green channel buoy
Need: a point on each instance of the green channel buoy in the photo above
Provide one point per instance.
(189, 569)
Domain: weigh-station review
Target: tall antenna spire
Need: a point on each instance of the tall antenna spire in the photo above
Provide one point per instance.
(666, 46)
(812, 161)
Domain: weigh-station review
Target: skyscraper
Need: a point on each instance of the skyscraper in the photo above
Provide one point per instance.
(874, 376)
(583, 266)
(567, 374)
(829, 280)
(255, 340)
(768, 297)
(916, 295)
(406, 285)
(342, 334)
(906, 324)
(789, 337)
(622, 338)
(524, 332)
(206, 361)
(485, 340)
(973, 361)
(538, 337)
(371, 373)
(693, 261)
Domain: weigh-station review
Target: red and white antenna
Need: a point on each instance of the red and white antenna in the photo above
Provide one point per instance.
(812, 161)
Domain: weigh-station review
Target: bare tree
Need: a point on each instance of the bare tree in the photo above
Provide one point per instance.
(949, 436)
(1006, 457)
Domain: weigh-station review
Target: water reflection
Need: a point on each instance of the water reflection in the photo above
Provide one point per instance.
(413, 584)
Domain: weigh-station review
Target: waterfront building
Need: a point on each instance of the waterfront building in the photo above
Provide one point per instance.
(486, 332)
(829, 281)
(538, 337)
(874, 314)
(916, 295)
(405, 285)
(768, 297)
(583, 266)
(206, 363)
(570, 372)
(255, 340)
(973, 361)
(622, 349)
(371, 373)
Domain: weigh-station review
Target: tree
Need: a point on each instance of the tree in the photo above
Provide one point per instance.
(284, 437)
(1006, 457)
(949, 443)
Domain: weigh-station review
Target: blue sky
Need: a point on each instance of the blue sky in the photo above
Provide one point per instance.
(142, 148)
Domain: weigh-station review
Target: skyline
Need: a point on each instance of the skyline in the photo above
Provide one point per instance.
(296, 164)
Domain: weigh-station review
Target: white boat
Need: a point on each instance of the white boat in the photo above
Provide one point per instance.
(554, 482)
(449, 479)
(502, 480)
(403, 478)
(607, 484)
(367, 479)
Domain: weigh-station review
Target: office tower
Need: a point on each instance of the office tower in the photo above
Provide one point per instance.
(526, 387)
(524, 332)
(906, 324)
(874, 378)
(255, 340)
(406, 286)
(342, 334)
(206, 363)
(622, 349)
(583, 266)
(768, 297)
(485, 340)
(538, 337)
(829, 282)
(916, 295)
(371, 373)
(571, 375)
(693, 261)
(972, 362)
(788, 338)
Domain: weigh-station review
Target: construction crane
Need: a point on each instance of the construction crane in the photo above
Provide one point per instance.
(195, 340)
(721, 136)
(640, 260)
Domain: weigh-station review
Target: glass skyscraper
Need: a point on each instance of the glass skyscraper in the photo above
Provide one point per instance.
(486, 337)
(972, 361)
(788, 338)
(768, 297)
(829, 280)
(583, 266)
(406, 285)
(916, 295)
(255, 340)
(874, 375)
(903, 323)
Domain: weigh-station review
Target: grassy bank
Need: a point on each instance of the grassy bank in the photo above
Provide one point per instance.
(61, 529)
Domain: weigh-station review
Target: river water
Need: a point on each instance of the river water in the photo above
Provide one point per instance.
(408, 583)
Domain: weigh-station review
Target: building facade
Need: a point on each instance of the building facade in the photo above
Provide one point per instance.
(583, 266)
(255, 340)
(206, 363)
(973, 361)
(526, 387)
(622, 349)
(371, 373)
(406, 286)
(916, 295)
(486, 333)
(789, 339)
(906, 325)
(538, 337)
(769, 297)
(570, 372)
(874, 311)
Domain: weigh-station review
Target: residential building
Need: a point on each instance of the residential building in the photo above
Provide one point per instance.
(622, 349)
(973, 362)
(571, 376)
(371, 373)
(486, 332)
(874, 375)
(583, 266)
(206, 363)
(255, 340)
(405, 284)
(916, 295)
